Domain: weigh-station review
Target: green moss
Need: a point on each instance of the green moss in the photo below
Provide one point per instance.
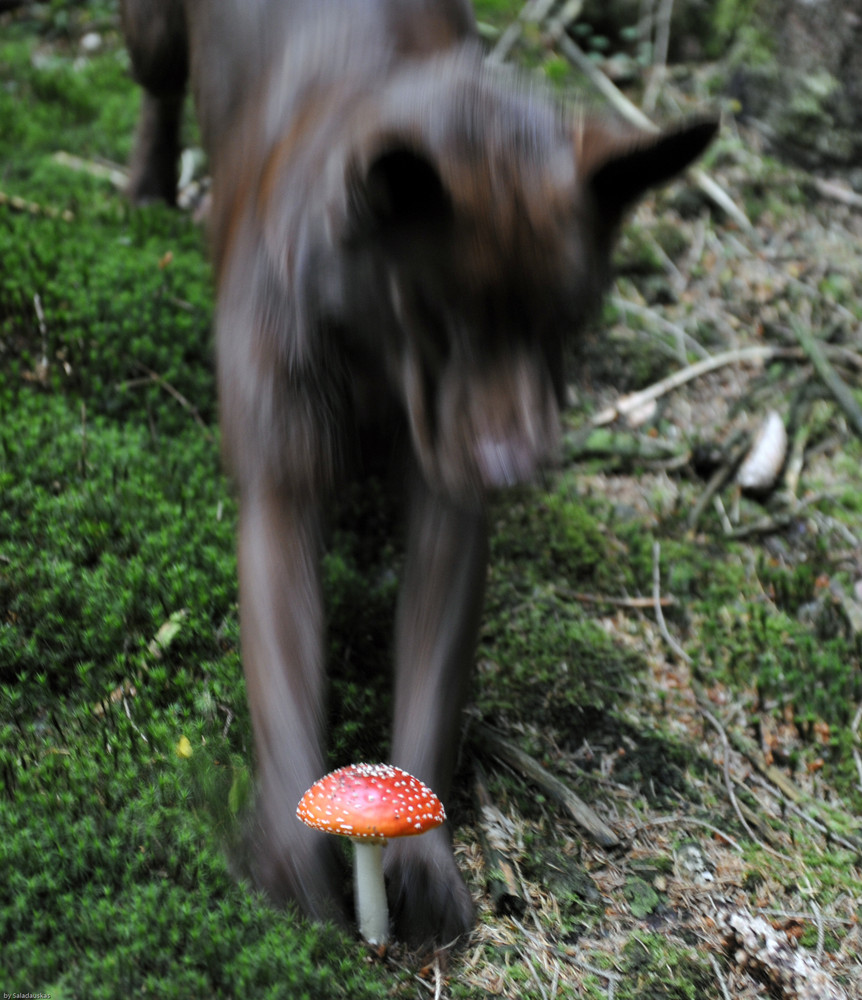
(784, 660)
(654, 968)
(641, 896)
(109, 534)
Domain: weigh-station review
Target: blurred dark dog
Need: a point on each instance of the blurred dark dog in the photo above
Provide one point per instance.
(401, 238)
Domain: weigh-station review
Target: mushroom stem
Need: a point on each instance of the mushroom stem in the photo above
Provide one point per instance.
(371, 908)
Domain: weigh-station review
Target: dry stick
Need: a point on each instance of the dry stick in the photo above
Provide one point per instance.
(755, 755)
(684, 340)
(726, 523)
(854, 731)
(656, 601)
(752, 752)
(690, 821)
(836, 191)
(659, 67)
(131, 720)
(764, 526)
(533, 10)
(796, 461)
(582, 814)
(722, 474)
(833, 382)
(634, 603)
(570, 954)
(635, 400)
(810, 820)
(775, 912)
(528, 958)
(556, 25)
(623, 445)
(500, 876)
(821, 931)
(728, 783)
(716, 968)
(769, 524)
(438, 979)
(42, 366)
(857, 760)
(34, 208)
(117, 176)
(716, 194)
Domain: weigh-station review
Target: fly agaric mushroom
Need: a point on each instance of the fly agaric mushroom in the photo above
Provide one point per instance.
(371, 803)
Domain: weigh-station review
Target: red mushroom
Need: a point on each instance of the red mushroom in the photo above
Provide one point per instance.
(371, 803)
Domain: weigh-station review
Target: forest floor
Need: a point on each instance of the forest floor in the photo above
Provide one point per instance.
(673, 629)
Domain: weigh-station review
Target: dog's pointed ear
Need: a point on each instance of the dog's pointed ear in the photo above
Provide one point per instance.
(395, 191)
(620, 167)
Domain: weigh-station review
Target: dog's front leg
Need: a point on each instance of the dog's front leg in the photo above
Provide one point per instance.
(438, 620)
(282, 622)
(156, 37)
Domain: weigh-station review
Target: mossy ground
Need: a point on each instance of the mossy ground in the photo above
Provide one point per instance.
(125, 753)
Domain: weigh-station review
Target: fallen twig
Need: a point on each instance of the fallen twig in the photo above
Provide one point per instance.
(743, 355)
(681, 820)
(837, 192)
(659, 66)
(749, 749)
(502, 884)
(724, 473)
(657, 605)
(728, 783)
(768, 525)
(499, 746)
(533, 10)
(854, 732)
(683, 339)
(716, 968)
(597, 441)
(115, 175)
(831, 379)
(636, 603)
(34, 208)
(781, 783)
(815, 824)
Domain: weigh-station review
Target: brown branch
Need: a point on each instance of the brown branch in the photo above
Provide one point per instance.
(635, 400)
(498, 746)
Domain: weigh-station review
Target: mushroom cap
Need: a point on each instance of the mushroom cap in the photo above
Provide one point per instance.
(371, 802)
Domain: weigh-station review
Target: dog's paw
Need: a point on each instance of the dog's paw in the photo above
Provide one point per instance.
(431, 905)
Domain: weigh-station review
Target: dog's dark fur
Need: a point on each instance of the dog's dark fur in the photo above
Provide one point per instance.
(399, 235)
